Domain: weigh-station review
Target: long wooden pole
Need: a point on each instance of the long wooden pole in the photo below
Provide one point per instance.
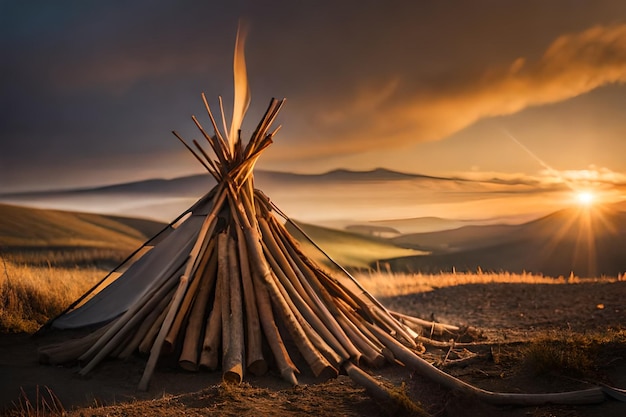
(413, 361)
(209, 357)
(232, 362)
(190, 354)
(155, 352)
(255, 362)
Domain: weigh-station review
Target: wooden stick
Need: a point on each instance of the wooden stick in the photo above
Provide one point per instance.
(223, 273)
(358, 322)
(321, 278)
(205, 253)
(148, 340)
(316, 331)
(411, 360)
(209, 358)
(374, 388)
(284, 363)
(255, 362)
(155, 352)
(382, 393)
(324, 304)
(108, 344)
(145, 326)
(189, 355)
(123, 320)
(319, 365)
(232, 361)
(373, 357)
(190, 149)
(67, 351)
(217, 147)
(393, 326)
(432, 327)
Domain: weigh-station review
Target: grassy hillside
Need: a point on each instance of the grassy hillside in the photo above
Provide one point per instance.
(588, 242)
(348, 249)
(36, 236)
(29, 227)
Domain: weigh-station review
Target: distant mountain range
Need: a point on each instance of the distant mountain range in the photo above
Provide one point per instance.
(197, 185)
(586, 241)
(382, 204)
(338, 198)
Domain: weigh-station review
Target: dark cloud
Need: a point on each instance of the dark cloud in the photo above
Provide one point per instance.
(84, 80)
(403, 113)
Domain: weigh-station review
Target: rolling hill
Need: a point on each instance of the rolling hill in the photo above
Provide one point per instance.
(348, 249)
(29, 227)
(588, 242)
(24, 229)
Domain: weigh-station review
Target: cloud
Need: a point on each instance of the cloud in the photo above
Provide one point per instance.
(592, 176)
(400, 111)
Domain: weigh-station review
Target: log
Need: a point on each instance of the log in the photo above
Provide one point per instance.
(315, 330)
(319, 365)
(284, 363)
(123, 320)
(306, 278)
(232, 361)
(223, 273)
(148, 339)
(255, 362)
(145, 327)
(411, 360)
(68, 351)
(189, 356)
(432, 327)
(126, 326)
(204, 254)
(155, 352)
(209, 358)
(380, 392)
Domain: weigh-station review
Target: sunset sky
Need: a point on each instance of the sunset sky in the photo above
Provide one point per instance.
(517, 89)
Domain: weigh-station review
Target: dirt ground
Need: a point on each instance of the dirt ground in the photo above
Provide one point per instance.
(509, 316)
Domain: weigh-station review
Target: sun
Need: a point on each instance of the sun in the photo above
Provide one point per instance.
(585, 198)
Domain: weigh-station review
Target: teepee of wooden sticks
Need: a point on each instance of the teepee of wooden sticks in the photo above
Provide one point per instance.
(241, 287)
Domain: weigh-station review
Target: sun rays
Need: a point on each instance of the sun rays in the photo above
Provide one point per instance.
(583, 233)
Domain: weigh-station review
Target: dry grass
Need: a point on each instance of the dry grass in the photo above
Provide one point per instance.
(573, 354)
(389, 284)
(30, 295)
(84, 257)
(44, 404)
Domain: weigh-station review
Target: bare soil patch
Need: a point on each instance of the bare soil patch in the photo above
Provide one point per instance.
(511, 316)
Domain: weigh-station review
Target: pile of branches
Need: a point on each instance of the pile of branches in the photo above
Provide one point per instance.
(246, 287)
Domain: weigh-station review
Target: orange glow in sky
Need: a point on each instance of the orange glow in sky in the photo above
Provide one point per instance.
(585, 198)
